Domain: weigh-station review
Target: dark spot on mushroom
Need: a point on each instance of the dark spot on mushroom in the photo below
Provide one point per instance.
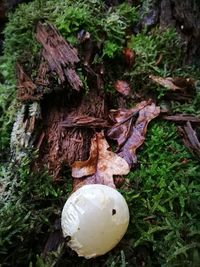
(113, 212)
(67, 238)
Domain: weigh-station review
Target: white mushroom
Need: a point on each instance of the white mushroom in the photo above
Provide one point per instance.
(95, 217)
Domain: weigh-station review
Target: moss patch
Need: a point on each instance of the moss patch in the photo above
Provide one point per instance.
(163, 193)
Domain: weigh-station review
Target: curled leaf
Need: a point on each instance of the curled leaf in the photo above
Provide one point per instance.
(130, 135)
(123, 119)
(174, 84)
(101, 165)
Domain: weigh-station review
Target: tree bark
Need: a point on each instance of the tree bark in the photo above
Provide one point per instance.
(184, 16)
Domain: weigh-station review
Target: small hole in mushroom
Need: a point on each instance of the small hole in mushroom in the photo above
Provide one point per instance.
(67, 238)
(113, 212)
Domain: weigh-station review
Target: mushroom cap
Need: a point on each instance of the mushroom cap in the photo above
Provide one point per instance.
(96, 218)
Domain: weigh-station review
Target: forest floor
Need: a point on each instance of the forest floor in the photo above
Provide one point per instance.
(67, 65)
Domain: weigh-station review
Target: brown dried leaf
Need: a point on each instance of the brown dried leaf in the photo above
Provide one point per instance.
(130, 136)
(138, 133)
(101, 165)
(123, 119)
(174, 84)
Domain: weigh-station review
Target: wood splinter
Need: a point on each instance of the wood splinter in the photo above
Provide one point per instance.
(61, 57)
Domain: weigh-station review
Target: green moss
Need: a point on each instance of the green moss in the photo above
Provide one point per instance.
(160, 53)
(191, 107)
(29, 204)
(107, 26)
(149, 47)
(69, 17)
(164, 191)
(164, 203)
(8, 104)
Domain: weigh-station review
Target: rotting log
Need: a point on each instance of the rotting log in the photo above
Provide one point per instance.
(42, 79)
(61, 57)
(58, 145)
(61, 139)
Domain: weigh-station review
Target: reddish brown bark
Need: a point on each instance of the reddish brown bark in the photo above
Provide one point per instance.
(61, 146)
(62, 58)
(42, 74)
(182, 118)
(27, 90)
(190, 139)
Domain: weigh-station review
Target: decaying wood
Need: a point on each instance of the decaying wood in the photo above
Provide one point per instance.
(42, 74)
(61, 57)
(27, 90)
(84, 121)
(62, 146)
(63, 139)
(55, 238)
(190, 138)
(182, 118)
(185, 16)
